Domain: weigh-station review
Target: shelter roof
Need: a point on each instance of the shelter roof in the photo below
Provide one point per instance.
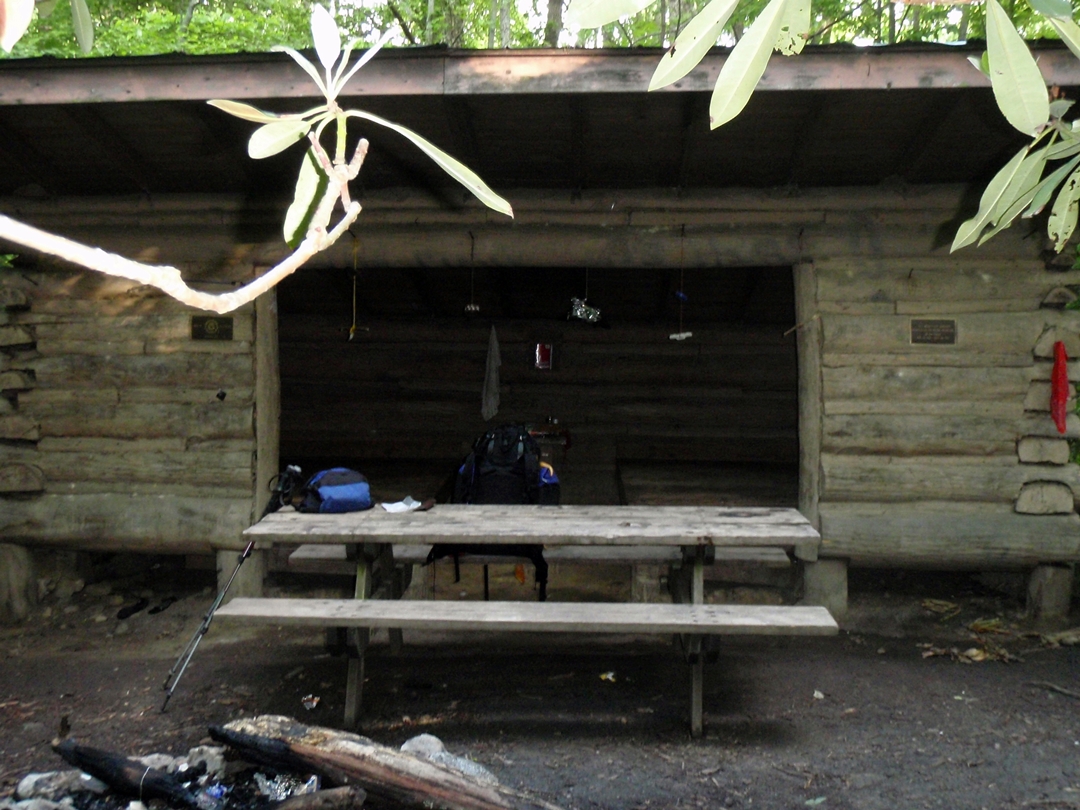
(566, 119)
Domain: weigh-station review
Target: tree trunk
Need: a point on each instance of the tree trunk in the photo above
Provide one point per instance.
(554, 23)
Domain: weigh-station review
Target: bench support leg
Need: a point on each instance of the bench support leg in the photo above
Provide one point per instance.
(358, 639)
(697, 666)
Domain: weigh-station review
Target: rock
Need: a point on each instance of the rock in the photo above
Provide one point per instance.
(121, 629)
(160, 762)
(212, 756)
(40, 804)
(97, 590)
(55, 785)
(432, 749)
(67, 588)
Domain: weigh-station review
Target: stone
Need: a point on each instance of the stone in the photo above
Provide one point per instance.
(1050, 592)
(825, 584)
(1045, 498)
(1039, 450)
(431, 748)
(67, 588)
(55, 785)
(212, 756)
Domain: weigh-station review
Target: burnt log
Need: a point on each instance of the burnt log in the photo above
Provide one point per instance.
(397, 778)
(349, 797)
(129, 777)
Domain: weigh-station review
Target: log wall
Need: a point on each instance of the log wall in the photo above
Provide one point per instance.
(944, 454)
(117, 430)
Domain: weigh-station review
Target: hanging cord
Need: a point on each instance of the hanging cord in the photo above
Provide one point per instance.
(355, 248)
(680, 294)
(472, 306)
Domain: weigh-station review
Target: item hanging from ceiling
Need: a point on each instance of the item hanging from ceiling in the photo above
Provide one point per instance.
(353, 328)
(579, 307)
(472, 307)
(489, 397)
(680, 294)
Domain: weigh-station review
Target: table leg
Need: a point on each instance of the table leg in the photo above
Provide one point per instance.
(697, 666)
(357, 646)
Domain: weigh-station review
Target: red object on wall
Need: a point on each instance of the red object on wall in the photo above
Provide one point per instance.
(1059, 386)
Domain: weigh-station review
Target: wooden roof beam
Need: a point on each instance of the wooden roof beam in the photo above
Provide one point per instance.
(406, 72)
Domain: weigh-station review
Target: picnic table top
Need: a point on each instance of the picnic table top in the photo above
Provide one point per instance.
(547, 525)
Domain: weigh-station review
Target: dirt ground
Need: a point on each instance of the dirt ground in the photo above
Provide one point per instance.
(894, 712)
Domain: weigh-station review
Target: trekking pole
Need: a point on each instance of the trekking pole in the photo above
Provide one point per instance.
(185, 657)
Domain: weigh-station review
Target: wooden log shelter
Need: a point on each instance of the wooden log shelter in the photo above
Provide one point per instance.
(839, 359)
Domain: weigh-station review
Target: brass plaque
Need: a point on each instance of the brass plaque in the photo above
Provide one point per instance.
(938, 331)
(211, 327)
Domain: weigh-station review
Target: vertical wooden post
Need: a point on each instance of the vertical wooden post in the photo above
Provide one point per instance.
(267, 398)
(697, 667)
(808, 337)
(357, 645)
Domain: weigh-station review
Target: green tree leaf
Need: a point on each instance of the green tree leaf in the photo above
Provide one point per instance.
(969, 231)
(1063, 213)
(1069, 32)
(743, 68)
(453, 167)
(326, 35)
(245, 111)
(1045, 190)
(693, 43)
(1053, 8)
(269, 139)
(795, 28)
(311, 184)
(1019, 87)
(84, 25)
(1025, 180)
(309, 68)
(595, 13)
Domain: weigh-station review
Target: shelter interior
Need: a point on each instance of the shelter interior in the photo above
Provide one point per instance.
(625, 413)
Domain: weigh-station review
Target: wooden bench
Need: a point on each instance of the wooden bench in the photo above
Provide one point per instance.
(692, 535)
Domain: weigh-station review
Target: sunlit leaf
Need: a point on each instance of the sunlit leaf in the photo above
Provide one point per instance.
(1063, 213)
(1053, 8)
(1019, 87)
(341, 81)
(453, 167)
(15, 16)
(1045, 190)
(326, 35)
(1026, 179)
(310, 186)
(309, 68)
(795, 28)
(270, 139)
(46, 8)
(594, 13)
(1018, 194)
(693, 43)
(969, 231)
(84, 25)
(1069, 32)
(1060, 106)
(743, 68)
(981, 63)
(245, 111)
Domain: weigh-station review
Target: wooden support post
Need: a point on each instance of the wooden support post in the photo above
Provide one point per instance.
(357, 643)
(1050, 592)
(249, 577)
(18, 585)
(697, 666)
(825, 584)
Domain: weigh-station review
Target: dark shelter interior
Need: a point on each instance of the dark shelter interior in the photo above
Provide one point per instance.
(382, 370)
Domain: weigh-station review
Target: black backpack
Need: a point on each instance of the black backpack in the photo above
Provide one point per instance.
(503, 467)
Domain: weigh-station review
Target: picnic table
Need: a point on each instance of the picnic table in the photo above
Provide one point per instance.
(699, 532)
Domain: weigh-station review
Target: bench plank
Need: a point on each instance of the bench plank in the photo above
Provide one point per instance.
(561, 617)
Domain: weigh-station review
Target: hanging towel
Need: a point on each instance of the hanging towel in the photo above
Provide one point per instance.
(489, 399)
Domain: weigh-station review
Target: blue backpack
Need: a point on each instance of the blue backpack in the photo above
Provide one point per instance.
(336, 490)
